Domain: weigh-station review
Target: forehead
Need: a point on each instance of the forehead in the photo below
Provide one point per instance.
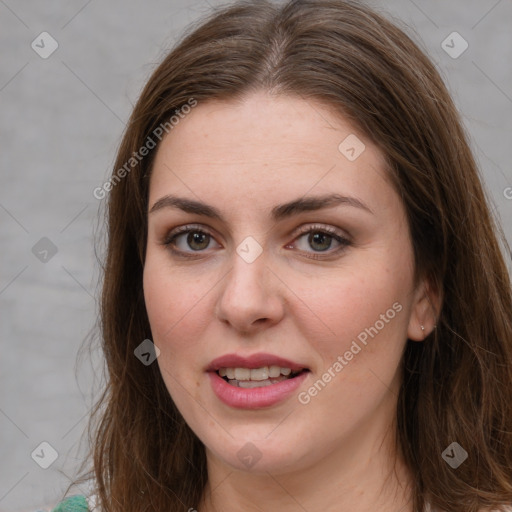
(265, 149)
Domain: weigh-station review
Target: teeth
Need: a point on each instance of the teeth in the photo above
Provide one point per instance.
(248, 384)
(274, 371)
(259, 373)
(255, 374)
(253, 384)
(242, 374)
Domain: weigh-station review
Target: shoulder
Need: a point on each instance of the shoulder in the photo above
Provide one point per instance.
(77, 503)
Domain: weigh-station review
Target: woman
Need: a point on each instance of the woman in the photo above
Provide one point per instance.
(305, 306)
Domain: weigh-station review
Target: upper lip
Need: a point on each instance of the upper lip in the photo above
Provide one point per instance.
(252, 361)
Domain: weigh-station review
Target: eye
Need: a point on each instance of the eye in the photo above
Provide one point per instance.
(188, 237)
(321, 238)
(187, 240)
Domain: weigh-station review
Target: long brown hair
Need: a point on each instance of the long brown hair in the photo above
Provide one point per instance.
(457, 385)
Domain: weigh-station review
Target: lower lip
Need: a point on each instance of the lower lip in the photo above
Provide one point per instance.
(254, 398)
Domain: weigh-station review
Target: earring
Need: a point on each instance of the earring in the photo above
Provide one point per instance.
(422, 328)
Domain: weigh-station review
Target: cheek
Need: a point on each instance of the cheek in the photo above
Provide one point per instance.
(345, 305)
(176, 307)
(175, 311)
(360, 351)
(359, 305)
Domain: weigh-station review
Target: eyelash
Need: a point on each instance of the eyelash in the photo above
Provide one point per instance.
(331, 232)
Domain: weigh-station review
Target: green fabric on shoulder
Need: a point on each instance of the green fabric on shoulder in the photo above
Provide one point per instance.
(72, 504)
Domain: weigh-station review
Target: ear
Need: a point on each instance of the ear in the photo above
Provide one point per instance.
(425, 311)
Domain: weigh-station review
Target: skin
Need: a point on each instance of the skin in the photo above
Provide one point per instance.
(336, 452)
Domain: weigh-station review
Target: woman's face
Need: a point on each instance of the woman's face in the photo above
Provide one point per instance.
(269, 278)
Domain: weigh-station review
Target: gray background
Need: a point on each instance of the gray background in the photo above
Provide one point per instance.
(60, 123)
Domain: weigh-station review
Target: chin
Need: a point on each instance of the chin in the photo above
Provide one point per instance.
(254, 454)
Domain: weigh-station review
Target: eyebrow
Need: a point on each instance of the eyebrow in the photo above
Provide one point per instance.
(279, 212)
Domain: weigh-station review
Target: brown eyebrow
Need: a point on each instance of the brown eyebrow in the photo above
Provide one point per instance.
(279, 212)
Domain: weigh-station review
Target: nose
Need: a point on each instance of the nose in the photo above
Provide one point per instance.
(251, 298)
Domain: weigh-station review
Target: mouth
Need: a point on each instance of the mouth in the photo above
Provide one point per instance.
(255, 381)
(258, 377)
